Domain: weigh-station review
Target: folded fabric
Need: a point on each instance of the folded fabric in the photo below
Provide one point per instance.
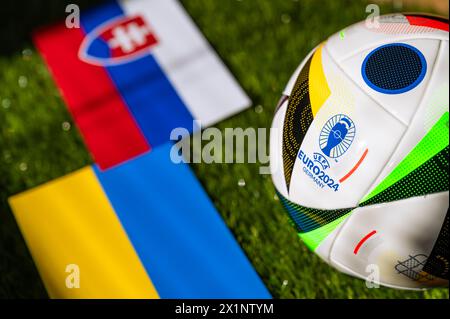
(143, 229)
(134, 71)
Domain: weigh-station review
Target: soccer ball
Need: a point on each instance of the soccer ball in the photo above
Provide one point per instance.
(359, 151)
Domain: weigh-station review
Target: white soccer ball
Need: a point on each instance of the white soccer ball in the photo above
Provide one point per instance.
(360, 161)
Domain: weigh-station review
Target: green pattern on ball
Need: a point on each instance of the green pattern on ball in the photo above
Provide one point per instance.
(434, 142)
(431, 177)
(312, 239)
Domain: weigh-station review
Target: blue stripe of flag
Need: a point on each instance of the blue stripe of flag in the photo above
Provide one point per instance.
(183, 243)
(148, 93)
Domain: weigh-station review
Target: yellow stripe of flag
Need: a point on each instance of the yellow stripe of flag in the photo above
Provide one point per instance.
(70, 221)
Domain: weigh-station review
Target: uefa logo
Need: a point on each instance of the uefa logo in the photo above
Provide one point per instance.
(337, 135)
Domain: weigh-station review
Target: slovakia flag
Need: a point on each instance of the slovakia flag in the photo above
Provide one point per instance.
(133, 72)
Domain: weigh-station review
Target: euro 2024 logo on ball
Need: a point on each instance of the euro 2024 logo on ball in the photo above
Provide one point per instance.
(337, 135)
(335, 139)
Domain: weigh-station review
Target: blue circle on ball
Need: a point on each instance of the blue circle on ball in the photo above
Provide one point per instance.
(394, 68)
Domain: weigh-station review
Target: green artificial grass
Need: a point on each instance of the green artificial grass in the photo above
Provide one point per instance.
(262, 42)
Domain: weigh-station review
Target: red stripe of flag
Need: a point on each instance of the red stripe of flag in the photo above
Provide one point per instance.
(105, 122)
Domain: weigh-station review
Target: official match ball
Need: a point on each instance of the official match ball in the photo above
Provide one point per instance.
(359, 151)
